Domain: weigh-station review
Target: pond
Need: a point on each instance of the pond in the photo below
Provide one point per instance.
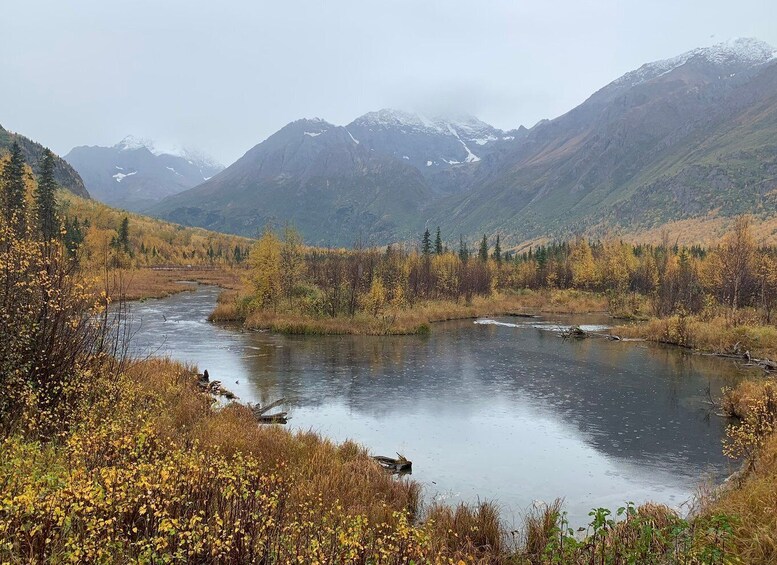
(501, 409)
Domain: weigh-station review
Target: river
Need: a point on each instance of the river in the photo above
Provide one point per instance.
(500, 409)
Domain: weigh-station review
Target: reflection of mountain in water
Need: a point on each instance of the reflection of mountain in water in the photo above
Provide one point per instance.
(630, 401)
(637, 404)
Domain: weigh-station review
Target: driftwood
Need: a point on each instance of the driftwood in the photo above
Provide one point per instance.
(749, 361)
(575, 332)
(398, 465)
(277, 418)
(766, 364)
(260, 413)
(213, 387)
(579, 333)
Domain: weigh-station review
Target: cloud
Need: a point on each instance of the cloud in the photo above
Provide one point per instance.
(223, 76)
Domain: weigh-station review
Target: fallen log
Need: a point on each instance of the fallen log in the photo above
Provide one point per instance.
(262, 409)
(277, 418)
(260, 413)
(399, 465)
(575, 332)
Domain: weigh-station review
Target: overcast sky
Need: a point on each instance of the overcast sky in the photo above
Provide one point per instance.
(222, 75)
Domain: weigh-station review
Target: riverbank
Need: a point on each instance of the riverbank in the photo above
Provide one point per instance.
(409, 320)
(710, 334)
(153, 471)
(159, 282)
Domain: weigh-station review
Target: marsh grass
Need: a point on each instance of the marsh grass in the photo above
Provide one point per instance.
(754, 536)
(475, 532)
(411, 319)
(717, 334)
(139, 284)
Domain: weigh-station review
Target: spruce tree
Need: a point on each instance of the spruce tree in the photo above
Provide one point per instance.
(122, 240)
(463, 251)
(44, 199)
(74, 236)
(483, 252)
(438, 243)
(497, 250)
(426, 243)
(14, 202)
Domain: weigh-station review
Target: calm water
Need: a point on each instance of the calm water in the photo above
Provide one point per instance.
(501, 409)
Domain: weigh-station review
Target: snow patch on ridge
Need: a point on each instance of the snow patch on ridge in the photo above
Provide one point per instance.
(471, 157)
(121, 176)
(356, 141)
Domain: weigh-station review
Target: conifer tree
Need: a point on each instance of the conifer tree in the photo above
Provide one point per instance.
(438, 243)
(122, 240)
(14, 192)
(48, 223)
(426, 244)
(497, 250)
(74, 236)
(483, 252)
(463, 251)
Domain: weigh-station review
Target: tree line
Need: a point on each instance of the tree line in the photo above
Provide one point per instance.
(738, 273)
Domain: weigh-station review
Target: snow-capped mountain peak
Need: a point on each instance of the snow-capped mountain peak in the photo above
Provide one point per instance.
(741, 52)
(390, 118)
(193, 155)
(442, 124)
(133, 143)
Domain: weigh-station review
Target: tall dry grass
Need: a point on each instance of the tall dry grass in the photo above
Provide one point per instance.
(472, 532)
(754, 504)
(138, 284)
(410, 319)
(717, 334)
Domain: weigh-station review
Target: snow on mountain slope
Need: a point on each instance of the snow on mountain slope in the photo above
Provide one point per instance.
(136, 172)
(433, 144)
(745, 52)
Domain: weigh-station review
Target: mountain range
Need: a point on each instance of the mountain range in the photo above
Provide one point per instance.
(135, 173)
(693, 136)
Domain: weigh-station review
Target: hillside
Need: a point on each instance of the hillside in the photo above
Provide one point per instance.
(687, 138)
(152, 242)
(674, 140)
(64, 174)
(134, 174)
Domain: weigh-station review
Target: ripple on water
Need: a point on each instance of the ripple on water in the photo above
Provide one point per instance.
(496, 410)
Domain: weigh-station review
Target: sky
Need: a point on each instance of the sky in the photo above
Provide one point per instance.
(223, 75)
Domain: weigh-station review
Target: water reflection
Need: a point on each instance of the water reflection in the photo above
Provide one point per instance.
(508, 412)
